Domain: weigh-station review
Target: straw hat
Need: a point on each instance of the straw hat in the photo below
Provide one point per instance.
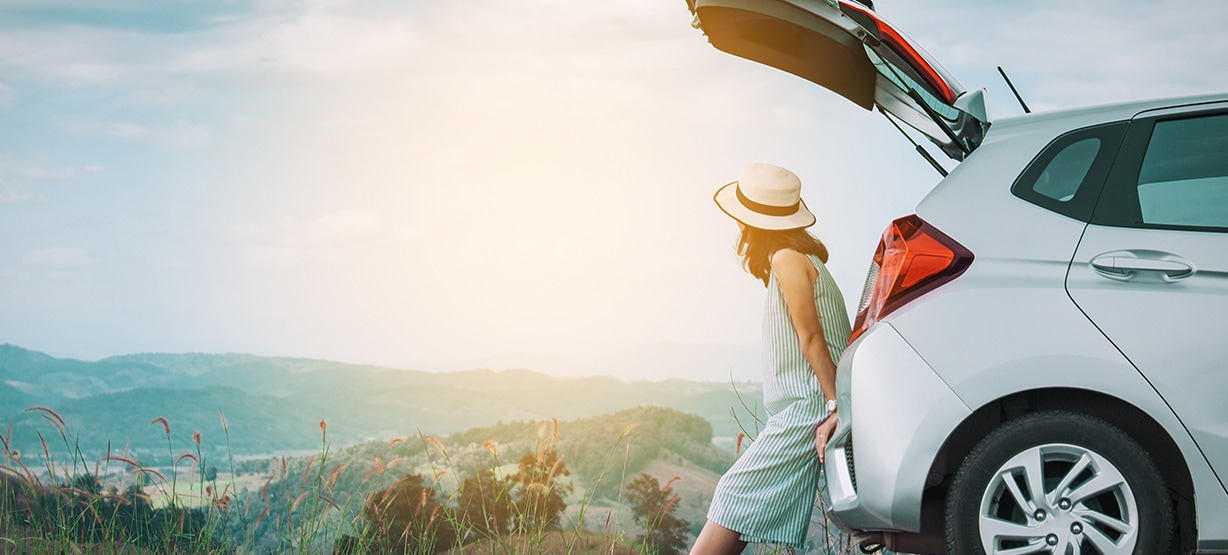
(766, 197)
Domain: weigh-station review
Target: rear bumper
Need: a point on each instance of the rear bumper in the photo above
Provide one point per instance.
(900, 413)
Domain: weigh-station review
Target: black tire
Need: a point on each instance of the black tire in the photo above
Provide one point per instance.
(1055, 449)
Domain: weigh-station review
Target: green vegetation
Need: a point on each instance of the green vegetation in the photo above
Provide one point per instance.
(654, 507)
(511, 492)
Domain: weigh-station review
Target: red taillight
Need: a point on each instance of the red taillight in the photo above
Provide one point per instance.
(912, 258)
(896, 41)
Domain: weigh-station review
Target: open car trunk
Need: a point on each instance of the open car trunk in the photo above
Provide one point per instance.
(844, 46)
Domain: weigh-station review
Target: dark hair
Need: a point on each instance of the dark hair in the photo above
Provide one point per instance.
(756, 247)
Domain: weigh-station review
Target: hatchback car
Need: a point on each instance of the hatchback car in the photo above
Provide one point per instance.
(1040, 361)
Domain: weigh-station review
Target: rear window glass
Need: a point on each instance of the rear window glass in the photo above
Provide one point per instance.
(1183, 180)
(1068, 175)
(895, 73)
(1061, 178)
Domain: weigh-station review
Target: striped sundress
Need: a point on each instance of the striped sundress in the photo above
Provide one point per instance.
(768, 494)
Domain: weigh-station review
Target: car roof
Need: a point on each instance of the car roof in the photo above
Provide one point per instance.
(1073, 118)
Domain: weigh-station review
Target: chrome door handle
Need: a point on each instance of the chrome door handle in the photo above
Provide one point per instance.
(1125, 265)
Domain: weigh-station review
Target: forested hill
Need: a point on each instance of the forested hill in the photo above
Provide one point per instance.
(275, 404)
(600, 452)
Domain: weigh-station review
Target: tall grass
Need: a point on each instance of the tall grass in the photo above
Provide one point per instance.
(416, 496)
(316, 504)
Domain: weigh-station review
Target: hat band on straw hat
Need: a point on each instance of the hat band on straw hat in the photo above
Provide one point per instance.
(766, 209)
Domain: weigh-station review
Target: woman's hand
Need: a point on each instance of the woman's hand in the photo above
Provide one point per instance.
(822, 433)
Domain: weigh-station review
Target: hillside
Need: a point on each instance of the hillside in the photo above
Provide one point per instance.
(275, 404)
(601, 454)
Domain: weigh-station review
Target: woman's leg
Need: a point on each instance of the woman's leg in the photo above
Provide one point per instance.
(715, 539)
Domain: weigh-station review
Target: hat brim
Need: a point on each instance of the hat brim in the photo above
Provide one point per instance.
(727, 199)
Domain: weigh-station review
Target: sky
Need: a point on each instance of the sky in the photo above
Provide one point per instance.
(421, 184)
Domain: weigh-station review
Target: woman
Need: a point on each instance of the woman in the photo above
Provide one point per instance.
(768, 494)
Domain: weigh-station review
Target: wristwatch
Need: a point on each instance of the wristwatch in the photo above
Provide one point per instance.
(831, 405)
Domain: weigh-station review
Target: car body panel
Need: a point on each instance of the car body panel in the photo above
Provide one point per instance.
(1164, 329)
(900, 408)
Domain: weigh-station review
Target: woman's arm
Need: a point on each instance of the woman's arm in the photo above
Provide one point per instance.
(796, 276)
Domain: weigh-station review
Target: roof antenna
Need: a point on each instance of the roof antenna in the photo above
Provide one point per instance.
(1026, 110)
(924, 153)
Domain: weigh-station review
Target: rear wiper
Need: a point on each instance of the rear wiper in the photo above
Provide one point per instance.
(920, 150)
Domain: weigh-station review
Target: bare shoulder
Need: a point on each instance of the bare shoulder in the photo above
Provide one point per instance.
(790, 263)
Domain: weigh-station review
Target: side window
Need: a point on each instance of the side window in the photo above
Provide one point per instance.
(1183, 180)
(1061, 177)
(1068, 174)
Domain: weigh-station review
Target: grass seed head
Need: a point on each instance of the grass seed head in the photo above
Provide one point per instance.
(50, 415)
(437, 445)
(669, 505)
(125, 460)
(166, 426)
(297, 501)
(307, 471)
(670, 482)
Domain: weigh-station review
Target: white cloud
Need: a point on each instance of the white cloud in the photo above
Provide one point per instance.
(14, 273)
(32, 169)
(163, 97)
(178, 135)
(59, 258)
(319, 38)
(335, 237)
(13, 197)
(41, 174)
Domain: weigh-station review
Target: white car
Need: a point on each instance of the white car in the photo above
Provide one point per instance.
(1040, 361)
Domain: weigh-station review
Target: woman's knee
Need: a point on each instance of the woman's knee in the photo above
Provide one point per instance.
(715, 539)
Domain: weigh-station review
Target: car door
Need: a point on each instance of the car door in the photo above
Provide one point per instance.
(848, 48)
(1151, 270)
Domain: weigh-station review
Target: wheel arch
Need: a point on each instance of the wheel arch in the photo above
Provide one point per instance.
(1136, 423)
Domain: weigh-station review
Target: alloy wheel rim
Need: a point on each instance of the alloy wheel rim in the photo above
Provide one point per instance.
(1060, 499)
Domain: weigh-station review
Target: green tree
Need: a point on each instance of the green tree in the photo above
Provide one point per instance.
(653, 506)
(539, 493)
(485, 503)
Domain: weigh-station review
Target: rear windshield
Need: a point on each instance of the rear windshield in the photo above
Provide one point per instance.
(896, 73)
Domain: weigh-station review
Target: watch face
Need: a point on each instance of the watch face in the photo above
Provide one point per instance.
(831, 405)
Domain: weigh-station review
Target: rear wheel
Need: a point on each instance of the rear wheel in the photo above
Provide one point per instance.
(1059, 483)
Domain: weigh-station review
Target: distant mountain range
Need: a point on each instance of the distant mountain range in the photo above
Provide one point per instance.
(652, 361)
(275, 404)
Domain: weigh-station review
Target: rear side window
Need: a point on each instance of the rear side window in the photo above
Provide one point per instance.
(1183, 180)
(1068, 175)
(1063, 175)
